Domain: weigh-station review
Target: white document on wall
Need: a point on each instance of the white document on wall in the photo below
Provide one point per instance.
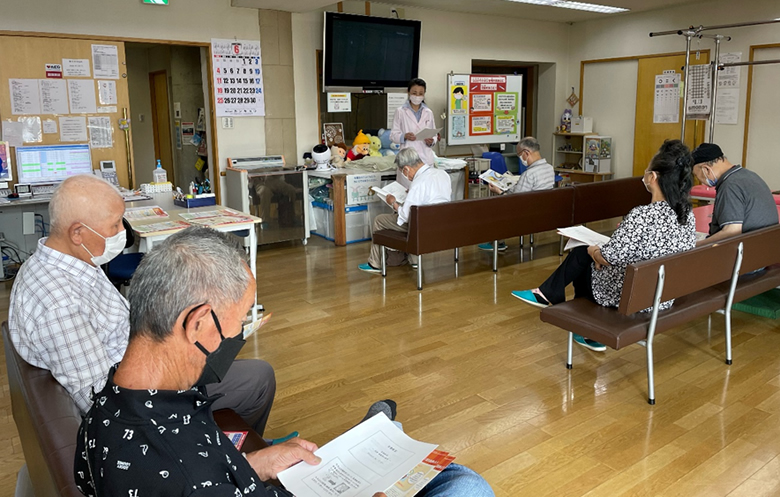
(105, 60)
(73, 129)
(81, 94)
(49, 127)
(394, 100)
(31, 129)
(24, 96)
(699, 92)
(107, 92)
(339, 102)
(666, 107)
(727, 106)
(76, 68)
(369, 458)
(729, 77)
(101, 132)
(580, 235)
(54, 96)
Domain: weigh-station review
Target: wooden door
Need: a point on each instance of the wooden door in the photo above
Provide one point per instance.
(161, 123)
(26, 57)
(648, 136)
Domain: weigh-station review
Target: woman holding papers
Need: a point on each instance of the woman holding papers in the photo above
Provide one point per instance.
(410, 119)
(663, 227)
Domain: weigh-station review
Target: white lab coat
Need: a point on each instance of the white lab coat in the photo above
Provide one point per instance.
(404, 122)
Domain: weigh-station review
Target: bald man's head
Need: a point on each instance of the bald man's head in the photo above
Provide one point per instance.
(83, 199)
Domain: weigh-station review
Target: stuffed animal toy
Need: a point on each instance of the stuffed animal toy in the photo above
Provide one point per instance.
(359, 147)
(338, 153)
(566, 121)
(375, 146)
(388, 147)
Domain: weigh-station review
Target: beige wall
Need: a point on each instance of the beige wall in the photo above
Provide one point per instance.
(627, 35)
(449, 43)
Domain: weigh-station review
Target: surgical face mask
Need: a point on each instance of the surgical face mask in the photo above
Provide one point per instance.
(114, 246)
(458, 96)
(710, 182)
(219, 361)
(522, 161)
(416, 99)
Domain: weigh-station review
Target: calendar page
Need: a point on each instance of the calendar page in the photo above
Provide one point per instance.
(238, 78)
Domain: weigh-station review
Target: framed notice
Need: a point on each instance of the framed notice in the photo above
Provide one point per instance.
(238, 78)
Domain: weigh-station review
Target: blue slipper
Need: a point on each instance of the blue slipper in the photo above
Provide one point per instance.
(488, 247)
(369, 268)
(531, 298)
(589, 344)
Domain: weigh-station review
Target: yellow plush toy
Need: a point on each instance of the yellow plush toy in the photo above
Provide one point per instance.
(359, 147)
(375, 146)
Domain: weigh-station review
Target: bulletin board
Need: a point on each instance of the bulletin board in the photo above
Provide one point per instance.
(60, 85)
(483, 108)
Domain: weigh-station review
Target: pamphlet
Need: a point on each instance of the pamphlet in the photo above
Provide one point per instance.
(371, 457)
(503, 181)
(580, 235)
(395, 189)
(134, 213)
(164, 226)
(427, 133)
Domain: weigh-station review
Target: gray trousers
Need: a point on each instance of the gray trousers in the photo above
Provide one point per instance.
(248, 389)
(394, 257)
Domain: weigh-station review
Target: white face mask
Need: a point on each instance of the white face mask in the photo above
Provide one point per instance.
(416, 99)
(114, 246)
(522, 161)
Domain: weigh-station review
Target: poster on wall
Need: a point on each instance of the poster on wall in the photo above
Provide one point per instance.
(358, 188)
(339, 102)
(5, 162)
(481, 102)
(481, 125)
(729, 77)
(483, 108)
(394, 101)
(238, 78)
(666, 106)
(459, 100)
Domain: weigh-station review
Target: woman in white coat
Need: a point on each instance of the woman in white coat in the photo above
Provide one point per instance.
(411, 118)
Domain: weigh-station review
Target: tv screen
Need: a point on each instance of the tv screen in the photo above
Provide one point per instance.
(370, 52)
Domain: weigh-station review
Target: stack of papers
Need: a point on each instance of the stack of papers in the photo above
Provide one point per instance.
(580, 235)
(145, 212)
(372, 457)
(395, 189)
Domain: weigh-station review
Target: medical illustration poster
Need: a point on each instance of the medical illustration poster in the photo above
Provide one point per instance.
(481, 125)
(481, 102)
(483, 108)
(459, 99)
(506, 125)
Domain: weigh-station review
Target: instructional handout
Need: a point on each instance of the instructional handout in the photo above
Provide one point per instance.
(580, 235)
(24, 96)
(81, 93)
(371, 457)
(502, 181)
(54, 96)
(395, 189)
(427, 133)
(73, 129)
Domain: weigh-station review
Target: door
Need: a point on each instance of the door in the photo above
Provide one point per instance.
(161, 123)
(648, 136)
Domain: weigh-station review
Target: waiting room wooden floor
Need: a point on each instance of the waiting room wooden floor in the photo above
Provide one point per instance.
(475, 370)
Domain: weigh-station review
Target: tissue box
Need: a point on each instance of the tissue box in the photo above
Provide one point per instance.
(582, 124)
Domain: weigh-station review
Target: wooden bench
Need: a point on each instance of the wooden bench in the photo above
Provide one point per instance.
(703, 280)
(447, 226)
(48, 421)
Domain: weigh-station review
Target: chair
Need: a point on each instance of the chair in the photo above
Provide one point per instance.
(497, 162)
(120, 270)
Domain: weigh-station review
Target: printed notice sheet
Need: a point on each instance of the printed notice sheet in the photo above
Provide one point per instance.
(24, 96)
(81, 93)
(105, 60)
(101, 132)
(76, 68)
(394, 100)
(73, 129)
(54, 96)
(107, 92)
(369, 458)
(580, 235)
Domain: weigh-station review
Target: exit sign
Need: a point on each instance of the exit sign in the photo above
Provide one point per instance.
(157, 2)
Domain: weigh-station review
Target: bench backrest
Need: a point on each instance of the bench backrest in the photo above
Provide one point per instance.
(697, 269)
(47, 420)
(607, 199)
(487, 219)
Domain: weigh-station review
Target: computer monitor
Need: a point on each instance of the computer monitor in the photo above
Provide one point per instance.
(52, 163)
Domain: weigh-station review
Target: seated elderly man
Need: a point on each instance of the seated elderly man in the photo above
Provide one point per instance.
(743, 201)
(149, 431)
(429, 186)
(67, 317)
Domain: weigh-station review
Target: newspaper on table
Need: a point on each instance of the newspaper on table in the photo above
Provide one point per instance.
(395, 189)
(372, 457)
(148, 212)
(580, 235)
(164, 226)
(216, 217)
(502, 181)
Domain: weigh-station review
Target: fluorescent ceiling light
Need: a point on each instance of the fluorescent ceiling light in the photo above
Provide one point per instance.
(566, 4)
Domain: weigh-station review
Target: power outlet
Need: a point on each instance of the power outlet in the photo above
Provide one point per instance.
(28, 223)
(227, 123)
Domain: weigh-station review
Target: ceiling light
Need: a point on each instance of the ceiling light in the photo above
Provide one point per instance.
(566, 4)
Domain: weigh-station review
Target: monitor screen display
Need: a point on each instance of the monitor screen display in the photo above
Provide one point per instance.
(370, 52)
(52, 163)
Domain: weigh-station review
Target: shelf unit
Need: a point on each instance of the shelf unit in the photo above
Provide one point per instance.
(573, 157)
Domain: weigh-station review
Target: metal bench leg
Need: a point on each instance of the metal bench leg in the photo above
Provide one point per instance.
(650, 380)
(560, 250)
(709, 324)
(419, 272)
(521, 241)
(659, 288)
(568, 351)
(457, 254)
(495, 256)
(730, 301)
(728, 335)
(384, 261)
(532, 246)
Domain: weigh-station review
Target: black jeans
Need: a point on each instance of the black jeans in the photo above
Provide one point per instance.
(575, 269)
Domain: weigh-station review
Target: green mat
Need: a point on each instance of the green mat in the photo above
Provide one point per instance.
(766, 305)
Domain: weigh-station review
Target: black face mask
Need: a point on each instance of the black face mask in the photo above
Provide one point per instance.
(219, 361)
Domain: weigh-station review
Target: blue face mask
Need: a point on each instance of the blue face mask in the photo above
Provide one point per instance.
(710, 182)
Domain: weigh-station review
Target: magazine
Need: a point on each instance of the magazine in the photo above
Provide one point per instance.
(503, 181)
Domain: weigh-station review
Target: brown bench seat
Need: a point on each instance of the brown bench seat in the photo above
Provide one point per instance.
(703, 280)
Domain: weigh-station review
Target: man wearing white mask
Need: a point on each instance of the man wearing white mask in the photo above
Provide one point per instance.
(66, 316)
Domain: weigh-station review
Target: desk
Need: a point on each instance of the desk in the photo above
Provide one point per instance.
(703, 217)
(165, 200)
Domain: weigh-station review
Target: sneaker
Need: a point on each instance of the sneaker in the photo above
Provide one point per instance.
(369, 268)
(531, 298)
(589, 344)
(488, 247)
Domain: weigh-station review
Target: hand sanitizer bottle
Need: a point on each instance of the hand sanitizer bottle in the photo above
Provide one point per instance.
(160, 175)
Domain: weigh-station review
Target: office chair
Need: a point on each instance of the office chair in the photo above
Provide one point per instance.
(497, 162)
(120, 270)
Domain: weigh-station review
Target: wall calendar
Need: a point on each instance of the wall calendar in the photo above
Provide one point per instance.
(238, 78)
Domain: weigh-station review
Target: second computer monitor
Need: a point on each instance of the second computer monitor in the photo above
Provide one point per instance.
(52, 163)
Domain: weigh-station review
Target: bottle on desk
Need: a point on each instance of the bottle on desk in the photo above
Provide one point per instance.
(159, 174)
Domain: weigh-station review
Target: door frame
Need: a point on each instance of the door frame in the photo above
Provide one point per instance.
(155, 120)
(214, 171)
(748, 101)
